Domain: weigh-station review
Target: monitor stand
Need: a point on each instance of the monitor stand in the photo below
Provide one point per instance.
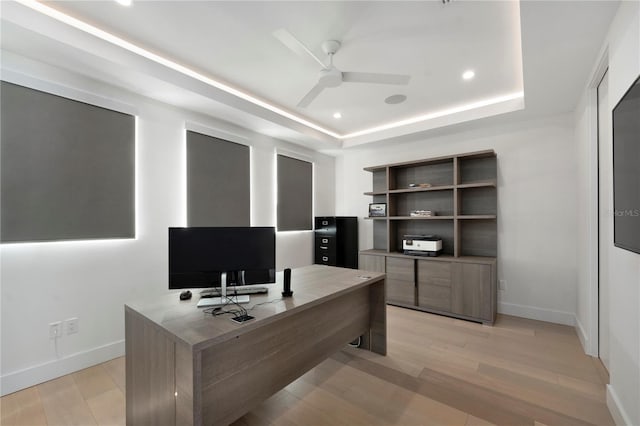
(218, 301)
(224, 299)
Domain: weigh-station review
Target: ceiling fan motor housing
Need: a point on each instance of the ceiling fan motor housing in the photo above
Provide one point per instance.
(330, 77)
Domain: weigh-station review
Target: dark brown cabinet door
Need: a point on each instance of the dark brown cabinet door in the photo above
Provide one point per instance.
(401, 287)
(434, 285)
(471, 290)
(370, 262)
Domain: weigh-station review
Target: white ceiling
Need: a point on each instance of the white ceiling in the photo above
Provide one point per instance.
(545, 49)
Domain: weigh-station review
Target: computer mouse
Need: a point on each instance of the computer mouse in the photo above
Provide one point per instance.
(185, 295)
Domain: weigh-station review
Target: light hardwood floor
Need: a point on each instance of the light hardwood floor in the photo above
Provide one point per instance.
(438, 371)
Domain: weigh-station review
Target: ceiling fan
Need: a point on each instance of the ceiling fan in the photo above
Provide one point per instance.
(329, 75)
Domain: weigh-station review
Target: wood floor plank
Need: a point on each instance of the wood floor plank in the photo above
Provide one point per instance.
(330, 397)
(441, 388)
(560, 362)
(116, 370)
(273, 411)
(492, 405)
(22, 408)
(475, 421)
(93, 381)
(589, 389)
(498, 360)
(554, 397)
(63, 403)
(108, 408)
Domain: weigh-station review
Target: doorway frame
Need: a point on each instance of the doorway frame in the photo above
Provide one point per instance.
(590, 337)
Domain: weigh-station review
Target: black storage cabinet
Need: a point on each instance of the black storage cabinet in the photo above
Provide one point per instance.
(336, 241)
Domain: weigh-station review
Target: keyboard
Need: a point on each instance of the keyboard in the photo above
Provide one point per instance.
(239, 290)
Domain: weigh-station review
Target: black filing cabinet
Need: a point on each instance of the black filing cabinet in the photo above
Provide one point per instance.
(336, 241)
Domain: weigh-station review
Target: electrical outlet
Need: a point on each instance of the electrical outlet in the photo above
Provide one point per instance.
(55, 330)
(71, 325)
(502, 285)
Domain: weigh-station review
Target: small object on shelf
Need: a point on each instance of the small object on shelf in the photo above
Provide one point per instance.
(422, 213)
(377, 210)
(420, 185)
(422, 245)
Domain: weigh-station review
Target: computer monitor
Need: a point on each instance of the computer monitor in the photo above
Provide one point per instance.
(199, 256)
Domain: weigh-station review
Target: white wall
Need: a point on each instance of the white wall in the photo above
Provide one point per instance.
(623, 393)
(92, 280)
(537, 179)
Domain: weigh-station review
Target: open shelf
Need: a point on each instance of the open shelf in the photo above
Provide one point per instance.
(489, 183)
(462, 196)
(421, 217)
(476, 216)
(419, 189)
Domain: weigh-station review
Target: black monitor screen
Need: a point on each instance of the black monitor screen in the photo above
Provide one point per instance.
(199, 255)
(626, 170)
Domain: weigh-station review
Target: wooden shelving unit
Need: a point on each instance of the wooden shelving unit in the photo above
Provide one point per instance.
(462, 191)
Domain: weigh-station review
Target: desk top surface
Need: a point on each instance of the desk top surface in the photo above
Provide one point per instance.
(311, 285)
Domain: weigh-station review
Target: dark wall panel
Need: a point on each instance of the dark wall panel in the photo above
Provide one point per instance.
(295, 194)
(67, 168)
(218, 182)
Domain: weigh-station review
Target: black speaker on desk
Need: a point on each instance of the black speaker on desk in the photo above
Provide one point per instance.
(336, 241)
(286, 290)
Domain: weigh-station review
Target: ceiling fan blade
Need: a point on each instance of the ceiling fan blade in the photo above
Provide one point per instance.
(369, 77)
(309, 97)
(295, 45)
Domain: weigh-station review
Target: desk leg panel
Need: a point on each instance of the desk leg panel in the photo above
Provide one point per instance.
(150, 382)
(378, 321)
(186, 362)
(237, 377)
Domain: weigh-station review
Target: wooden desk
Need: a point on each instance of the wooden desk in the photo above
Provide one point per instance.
(185, 367)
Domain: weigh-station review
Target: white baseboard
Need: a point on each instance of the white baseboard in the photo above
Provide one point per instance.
(584, 338)
(13, 382)
(540, 314)
(620, 416)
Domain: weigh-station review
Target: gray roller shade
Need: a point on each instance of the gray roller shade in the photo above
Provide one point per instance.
(67, 168)
(295, 194)
(218, 185)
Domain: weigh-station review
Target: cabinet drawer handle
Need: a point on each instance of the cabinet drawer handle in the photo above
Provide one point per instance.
(325, 222)
(324, 247)
(325, 259)
(325, 240)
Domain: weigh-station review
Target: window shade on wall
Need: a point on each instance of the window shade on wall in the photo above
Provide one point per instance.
(67, 168)
(295, 194)
(218, 182)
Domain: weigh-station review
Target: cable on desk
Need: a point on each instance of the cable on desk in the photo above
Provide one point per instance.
(265, 303)
(219, 310)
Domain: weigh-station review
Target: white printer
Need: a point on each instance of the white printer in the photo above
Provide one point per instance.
(422, 245)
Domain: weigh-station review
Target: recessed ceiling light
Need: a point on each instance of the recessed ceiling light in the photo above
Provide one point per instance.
(124, 2)
(337, 115)
(395, 99)
(468, 75)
